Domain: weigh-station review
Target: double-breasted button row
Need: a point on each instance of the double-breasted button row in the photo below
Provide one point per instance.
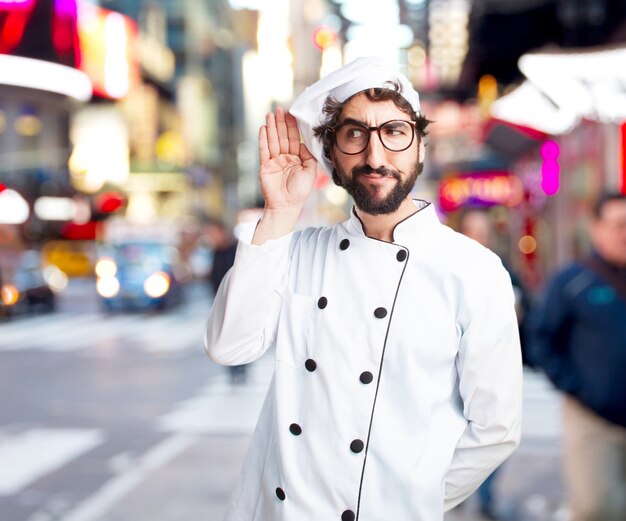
(380, 312)
(365, 377)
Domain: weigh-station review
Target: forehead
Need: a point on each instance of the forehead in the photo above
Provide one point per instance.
(614, 211)
(362, 109)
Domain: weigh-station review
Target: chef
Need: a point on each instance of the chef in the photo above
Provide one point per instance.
(397, 384)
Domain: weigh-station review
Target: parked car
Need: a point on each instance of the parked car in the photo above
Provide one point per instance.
(139, 275)
(26, 286)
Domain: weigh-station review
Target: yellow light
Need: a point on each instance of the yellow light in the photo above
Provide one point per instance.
(106, 267)
(28, 125)
(324, 37)
(157, 284)
(9, 294)
(3, 122)
(527, 244)
(108, 286)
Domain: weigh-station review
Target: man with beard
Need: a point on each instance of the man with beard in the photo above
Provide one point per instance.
(397, 385)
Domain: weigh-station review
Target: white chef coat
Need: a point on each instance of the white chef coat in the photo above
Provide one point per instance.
(397, 385)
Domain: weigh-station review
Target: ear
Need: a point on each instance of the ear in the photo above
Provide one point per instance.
(421, 151)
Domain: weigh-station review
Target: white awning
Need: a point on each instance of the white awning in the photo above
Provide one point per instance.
(564, 87)
(45, 76)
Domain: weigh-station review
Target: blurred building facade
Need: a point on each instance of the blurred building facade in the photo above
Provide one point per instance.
(159, 119)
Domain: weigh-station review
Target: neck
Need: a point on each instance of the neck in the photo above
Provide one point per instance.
(381, 226)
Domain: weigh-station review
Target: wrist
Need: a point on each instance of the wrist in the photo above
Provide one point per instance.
(275, 223)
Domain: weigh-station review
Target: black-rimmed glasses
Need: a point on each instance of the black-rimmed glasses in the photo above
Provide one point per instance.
(352, 137)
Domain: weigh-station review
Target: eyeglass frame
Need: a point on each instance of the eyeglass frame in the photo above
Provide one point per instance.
(350, 121)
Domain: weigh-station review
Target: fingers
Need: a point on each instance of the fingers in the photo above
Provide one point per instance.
(272, 135)
(279, 135)
(281, 128)
(293, 134)
(264, 151)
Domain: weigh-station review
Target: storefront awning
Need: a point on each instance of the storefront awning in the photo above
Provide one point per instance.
(564, 87)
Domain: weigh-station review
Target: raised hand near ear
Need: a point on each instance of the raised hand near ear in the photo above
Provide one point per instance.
(287, 174)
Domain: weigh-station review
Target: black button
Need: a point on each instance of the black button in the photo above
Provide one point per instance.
(295, 429)
(345, 244)
(322, 302)
(280, 494)
(311, 365)
(401, 255)
(357, 446)
(380, 312)
(348, 515)
(366, 377)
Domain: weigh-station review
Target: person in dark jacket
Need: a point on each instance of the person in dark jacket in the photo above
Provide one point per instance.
(224, 246)
(579, 340)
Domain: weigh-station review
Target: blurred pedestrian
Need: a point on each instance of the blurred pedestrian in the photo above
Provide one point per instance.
(478, 224)
(397, 386)
(580, 342)
(224, 246)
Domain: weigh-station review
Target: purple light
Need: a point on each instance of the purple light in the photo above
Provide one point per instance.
(550, 168)
(550, 150)
(66, 7)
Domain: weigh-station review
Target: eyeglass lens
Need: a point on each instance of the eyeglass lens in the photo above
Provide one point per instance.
(395, 135)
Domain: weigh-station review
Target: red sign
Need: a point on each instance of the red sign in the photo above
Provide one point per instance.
(623, 156)
(480, 189)
(40, 29)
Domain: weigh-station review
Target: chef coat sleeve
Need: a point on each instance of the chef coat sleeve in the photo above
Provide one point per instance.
(243, 320)
(489, 368)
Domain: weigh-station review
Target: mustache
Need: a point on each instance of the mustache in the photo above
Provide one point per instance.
(381, 170)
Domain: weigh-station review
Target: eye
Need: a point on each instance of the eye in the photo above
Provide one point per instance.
(396, 129)
(354, 132)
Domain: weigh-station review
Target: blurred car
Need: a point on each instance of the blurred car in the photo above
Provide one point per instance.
(139, 275)
(74, 258)
(26, 286)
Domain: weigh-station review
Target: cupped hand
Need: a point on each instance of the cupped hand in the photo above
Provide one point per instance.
(288, 170)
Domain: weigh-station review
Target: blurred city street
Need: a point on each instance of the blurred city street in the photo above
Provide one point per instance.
(122, 417)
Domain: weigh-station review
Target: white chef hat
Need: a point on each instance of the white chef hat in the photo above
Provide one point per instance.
(358, 75)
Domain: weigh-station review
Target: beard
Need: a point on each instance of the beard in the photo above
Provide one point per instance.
(366, 199)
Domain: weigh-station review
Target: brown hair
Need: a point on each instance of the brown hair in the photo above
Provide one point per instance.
(332, 109)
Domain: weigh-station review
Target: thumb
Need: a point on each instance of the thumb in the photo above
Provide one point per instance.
(305, 155)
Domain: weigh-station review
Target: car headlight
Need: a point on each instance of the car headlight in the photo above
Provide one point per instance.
(108, 286)
(106, 267)
(9, 294)
(157, 284)
(55, 278)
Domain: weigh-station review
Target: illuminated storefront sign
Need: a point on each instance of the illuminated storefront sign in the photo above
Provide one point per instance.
(40, 29)
(108, 42)
(480, 189)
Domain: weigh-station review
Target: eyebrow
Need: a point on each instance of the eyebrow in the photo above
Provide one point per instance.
(354, 121)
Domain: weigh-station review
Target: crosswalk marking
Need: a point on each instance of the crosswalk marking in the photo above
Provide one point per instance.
(180, 329)
(34, 453)
(221, 407)
(541, 418)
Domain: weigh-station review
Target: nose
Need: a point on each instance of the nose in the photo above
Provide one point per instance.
(375, 151)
